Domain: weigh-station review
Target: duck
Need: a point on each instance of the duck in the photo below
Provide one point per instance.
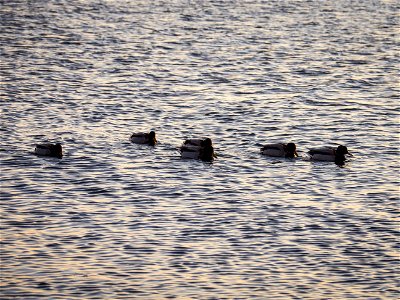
(280, 150)
(327, 153)
(144, 138)
(193, 142)
(54, 150)
(198, 149)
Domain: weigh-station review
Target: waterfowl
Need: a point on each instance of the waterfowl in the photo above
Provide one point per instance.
(190, 152)
(144, 138)
(54, 150)
(193, 142)
(337, 155)
(198, 149)
(280, 150)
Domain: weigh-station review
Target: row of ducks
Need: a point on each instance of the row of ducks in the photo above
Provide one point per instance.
(203, 149)
(191, 148)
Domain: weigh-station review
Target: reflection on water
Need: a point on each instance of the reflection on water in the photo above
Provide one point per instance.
(116, 220)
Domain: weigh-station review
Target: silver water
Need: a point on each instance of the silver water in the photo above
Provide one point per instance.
(114, 220)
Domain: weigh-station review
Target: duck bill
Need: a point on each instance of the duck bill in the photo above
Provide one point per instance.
(349, 154)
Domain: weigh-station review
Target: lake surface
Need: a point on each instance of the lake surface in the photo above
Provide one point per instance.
(115, 220)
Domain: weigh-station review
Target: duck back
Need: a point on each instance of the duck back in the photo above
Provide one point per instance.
(274, 150)
(190, 152)
(193, 142)
(41, 150)
(139, 139)
(323, 154)
(54, 150)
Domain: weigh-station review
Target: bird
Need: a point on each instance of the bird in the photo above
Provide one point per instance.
(54, 150)
(198, 149)
(193, 142)
(144, 138)
(280, 150)
(327, 153)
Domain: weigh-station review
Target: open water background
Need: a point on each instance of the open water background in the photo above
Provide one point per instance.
(114, 220)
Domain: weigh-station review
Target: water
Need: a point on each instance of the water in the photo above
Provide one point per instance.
(114, 220)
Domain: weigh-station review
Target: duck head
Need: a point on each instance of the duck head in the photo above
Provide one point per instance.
(207, 142)
(342, 150)
(152, 138)
(291, 150)
(340, 157)
(57, 150)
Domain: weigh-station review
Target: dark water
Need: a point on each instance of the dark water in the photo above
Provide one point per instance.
(114, 220)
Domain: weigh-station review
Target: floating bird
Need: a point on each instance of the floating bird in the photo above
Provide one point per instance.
(144, 138)
(54, 150)
(198, 149)
(193, 142)
(337, 155)
(280, 150)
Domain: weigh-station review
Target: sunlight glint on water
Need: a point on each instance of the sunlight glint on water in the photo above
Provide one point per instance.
(115, 220)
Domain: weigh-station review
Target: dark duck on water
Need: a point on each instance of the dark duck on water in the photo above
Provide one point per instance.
(54, 150)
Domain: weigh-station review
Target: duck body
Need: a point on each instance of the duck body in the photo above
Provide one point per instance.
(193, 142)
(332, 154)
(54, 150)
(280, 150)
(144, 138)
(198, 149)
(190, 152)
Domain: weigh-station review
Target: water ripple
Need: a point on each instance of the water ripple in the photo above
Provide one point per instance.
(117, 220)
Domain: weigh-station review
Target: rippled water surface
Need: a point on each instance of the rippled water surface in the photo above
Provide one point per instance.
(115, 220)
